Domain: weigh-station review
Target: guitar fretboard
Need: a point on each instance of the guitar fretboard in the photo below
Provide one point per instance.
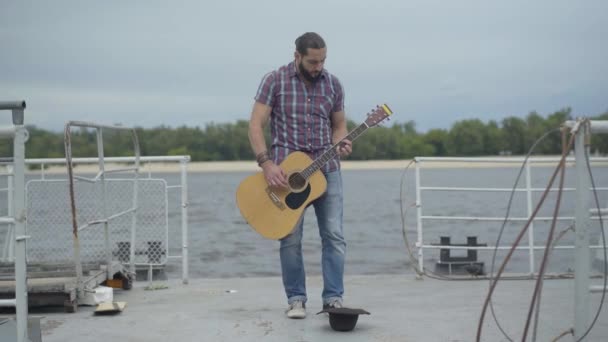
(332, 152)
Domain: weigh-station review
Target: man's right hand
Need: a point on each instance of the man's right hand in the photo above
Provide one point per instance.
(274, 175)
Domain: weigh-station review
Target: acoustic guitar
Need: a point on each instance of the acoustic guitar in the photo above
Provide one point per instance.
(274, 211)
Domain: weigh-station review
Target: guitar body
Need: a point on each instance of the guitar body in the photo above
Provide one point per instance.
(274, 212)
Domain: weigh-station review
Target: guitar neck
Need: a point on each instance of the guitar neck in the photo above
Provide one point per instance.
(332, 152)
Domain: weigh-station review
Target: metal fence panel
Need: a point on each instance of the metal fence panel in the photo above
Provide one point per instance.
(50, 222)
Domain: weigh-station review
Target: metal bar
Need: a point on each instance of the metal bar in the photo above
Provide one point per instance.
(419, 218)
(96, 125)
(7, 131)
(86, 179)
(121, 213)
(10, 105)
(135, 168)
(502, 247)
(106, 220)
(601, 211)
(530, 211)
(9, 245)
(474, 218)
(8, 303)
(90, 224)
(518, 160)
(142, 159)
(7, 220)
(596, 126)
(21, 294)
(184, 192)
(582, 257)
(438, 188)
(104, 207)
(597, 288)
(135, 201)
(67, 141)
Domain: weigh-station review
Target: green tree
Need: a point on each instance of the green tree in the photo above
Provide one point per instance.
(438, 139)
(514, 134)
(466, 138)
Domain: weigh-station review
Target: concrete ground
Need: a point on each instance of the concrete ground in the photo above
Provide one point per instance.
(252, 309)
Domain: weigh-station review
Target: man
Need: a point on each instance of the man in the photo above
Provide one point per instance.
(304, 104)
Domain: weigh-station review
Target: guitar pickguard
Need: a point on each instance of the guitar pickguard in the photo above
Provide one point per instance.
(295, 199)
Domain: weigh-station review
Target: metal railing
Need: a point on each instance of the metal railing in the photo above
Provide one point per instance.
(584, 214)
(100, 180)
(527, 189)
(50, 171)
(17, 214)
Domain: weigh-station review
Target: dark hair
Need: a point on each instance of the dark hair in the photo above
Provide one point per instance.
(309, 40)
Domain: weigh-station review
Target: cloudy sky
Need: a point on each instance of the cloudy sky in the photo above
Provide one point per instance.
(151, 63)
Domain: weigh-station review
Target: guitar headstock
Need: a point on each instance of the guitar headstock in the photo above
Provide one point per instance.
(378, 115)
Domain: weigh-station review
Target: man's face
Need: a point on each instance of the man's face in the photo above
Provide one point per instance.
(311, 64)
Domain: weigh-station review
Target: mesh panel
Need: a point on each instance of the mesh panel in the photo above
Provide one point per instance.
(49, 221)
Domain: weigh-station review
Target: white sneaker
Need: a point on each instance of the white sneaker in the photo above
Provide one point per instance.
(296, 310)
(335, 304)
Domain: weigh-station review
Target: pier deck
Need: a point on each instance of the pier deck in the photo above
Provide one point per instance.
(252, 309)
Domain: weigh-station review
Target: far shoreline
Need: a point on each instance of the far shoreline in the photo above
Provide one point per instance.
(251, 166)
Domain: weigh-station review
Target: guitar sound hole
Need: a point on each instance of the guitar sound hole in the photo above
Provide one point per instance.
(296, 181)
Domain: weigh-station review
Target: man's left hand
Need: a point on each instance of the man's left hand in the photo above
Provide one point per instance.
(345, 148)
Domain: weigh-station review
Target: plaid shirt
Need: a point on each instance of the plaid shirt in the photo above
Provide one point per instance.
(301, 116)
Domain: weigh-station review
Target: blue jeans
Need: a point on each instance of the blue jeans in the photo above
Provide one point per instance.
(328, 209)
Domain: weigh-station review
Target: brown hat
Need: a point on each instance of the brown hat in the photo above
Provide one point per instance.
(343, 319)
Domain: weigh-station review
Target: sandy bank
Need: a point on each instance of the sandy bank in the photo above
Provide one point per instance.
(251, 166)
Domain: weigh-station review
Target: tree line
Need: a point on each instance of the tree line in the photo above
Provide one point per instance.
(229, 141)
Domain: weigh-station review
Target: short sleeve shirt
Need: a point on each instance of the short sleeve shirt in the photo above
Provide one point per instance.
(300, 119)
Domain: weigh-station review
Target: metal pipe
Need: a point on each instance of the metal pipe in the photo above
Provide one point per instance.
(420, 241)
(7, 131)
(9, 240)
(530, 211)
(503, 247)
(184, 192)
(90, 160)
(498, 219)
(439, 188)
(104, 207)
(11, 105)
(596, 126)
(21, 294)
(7, 220)
(582, 257)
(8, 303)
(518, 160)
(135, 201)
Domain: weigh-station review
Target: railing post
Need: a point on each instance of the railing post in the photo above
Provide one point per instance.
(531, 227)
(420, 242)
(184, 209)
(20, 234)
(582, 257)
(9, 242)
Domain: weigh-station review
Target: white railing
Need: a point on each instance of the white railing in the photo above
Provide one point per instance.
(16, 214)
(422, 218)
(52, 167)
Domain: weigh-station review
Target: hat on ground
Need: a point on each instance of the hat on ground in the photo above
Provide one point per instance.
(343, 319)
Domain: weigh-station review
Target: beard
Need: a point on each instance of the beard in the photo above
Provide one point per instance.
(307, 75)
